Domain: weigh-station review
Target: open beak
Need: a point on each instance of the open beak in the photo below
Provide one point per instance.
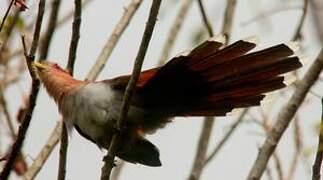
(39, 66)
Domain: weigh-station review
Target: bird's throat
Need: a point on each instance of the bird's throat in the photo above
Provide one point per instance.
(61, 85)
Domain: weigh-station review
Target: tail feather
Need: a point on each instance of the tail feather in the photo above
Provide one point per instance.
(211, 81)
(234, 50)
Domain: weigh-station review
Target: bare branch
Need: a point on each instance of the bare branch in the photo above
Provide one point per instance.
(108, 165)
(284, 118)
(174, 30)
(298, 34)
(51, 27)
(226, 137)
(316, 169)
(203, 143)
(32, 97)
(75, 36)
(205, 19)
(228, 19)
(113, 39)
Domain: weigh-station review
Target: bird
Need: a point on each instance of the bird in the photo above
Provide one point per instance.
(212, 79)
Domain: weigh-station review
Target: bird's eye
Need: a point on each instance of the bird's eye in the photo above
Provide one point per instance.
(56, 66)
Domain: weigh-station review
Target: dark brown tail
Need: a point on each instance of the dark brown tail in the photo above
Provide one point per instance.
(211, 81)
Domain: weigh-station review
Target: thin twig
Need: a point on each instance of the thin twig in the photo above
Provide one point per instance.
(51, 27)
(113, 39)
(32, 97)
(228, 19)
(70, 67)
(174, 30)
(298, 147)
(55, 136)
(6, 15)
(284, 118)
(203, 144)
(205, 19)
(108, 165)
(316, 169)
(226, 137)
(4, 106)
(298, 34)
(278, 166)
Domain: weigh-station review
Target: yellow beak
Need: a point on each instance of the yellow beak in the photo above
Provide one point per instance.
(38, 65)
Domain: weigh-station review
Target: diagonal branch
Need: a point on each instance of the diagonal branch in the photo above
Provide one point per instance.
(106, 169)
(32, 97)
(284, 118)
(205, 18)
(6, 15)
(298, 34)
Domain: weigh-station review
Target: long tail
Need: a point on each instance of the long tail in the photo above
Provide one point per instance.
(212, 80)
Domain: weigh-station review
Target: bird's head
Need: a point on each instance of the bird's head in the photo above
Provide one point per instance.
(56, 80)
(46, 69)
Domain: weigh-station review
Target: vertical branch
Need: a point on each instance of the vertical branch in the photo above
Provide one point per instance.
(228, 19)
(298, 34)
(75, 36)
(70, 67)
(113, 39)
(106, 169)
(203, 143)
(51, 27)
(174, 30)
(284, 118)
(316, 169)
(32, 97)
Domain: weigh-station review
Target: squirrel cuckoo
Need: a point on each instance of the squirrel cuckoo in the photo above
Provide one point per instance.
(210, 80)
